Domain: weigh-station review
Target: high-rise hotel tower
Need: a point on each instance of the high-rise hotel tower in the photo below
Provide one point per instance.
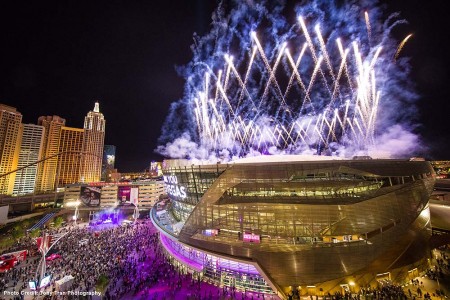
(32, 140)
(10, 120)
(93, 141)
(48, 169)
(70, 147)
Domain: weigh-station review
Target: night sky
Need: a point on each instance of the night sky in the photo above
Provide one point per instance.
(58, 58)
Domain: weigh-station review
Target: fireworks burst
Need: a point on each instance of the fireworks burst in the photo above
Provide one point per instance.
(303, 89)
(222, 121)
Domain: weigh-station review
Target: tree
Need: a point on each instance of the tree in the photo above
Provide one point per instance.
(17, 232)
(58, 222)
(25, 223)
(102, 283)
(35, 233)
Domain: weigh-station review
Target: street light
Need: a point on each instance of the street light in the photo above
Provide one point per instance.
(75, 216)
(47, 242)
(352, 286)
(75, 204)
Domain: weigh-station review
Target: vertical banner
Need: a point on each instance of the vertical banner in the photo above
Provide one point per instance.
(124, 195)
(44, 244)
(134, 196)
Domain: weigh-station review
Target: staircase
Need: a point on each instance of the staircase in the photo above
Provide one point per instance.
(42, 221)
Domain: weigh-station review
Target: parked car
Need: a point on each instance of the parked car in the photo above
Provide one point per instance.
(7, 262)
(53, 257)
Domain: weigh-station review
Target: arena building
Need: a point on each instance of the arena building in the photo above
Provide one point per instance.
(277, 224)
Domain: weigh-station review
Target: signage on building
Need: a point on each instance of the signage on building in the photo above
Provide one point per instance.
(251, 237)
(173, 188)
(90, 196)
(134, 196)
(124, 194)
(211, 232)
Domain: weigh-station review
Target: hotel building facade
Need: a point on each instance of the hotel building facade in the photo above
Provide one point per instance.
(10, 121)
(31, 146)
(47, 169)
(69, 162)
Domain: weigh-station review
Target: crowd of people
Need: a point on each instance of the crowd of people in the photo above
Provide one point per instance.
(86, 253)
(129, 256)
(136, 266)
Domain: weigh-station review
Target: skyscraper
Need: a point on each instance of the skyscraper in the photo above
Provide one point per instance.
(48, 168)
(93, 141)
(10, 120)
(69, 165)
(32, 140)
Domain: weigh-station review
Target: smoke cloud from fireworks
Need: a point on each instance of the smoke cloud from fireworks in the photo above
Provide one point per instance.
(322, 84)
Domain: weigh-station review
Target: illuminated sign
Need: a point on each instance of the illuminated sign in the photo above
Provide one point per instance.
(211, 232)
(173, 188)
(251, 237)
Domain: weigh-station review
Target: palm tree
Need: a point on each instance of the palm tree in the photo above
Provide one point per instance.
(17, 232)
(58, 222)
(35, 233)
(102, 283)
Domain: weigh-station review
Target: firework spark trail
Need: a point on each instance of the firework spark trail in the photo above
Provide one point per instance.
(308, 38)
(197, 118)
(295, 73)
(341, 68)
(342, 52)
(252, 58)
(219, 77)
(273, 79)
(369, 29)
(241, 83)
(331, 128)
(339, 120)
(304, 132)
(353, 130)
(269, 69)
(227, 77)
(311, 82)
(361, 132)
(360, 103)
(216, 113)
(225, 97)
(347, 104)
(313, 51)
(400, 47)
(325, 52)
(319, 131)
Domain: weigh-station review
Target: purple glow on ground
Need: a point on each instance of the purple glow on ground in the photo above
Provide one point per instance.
(104, 226)
(193, 264)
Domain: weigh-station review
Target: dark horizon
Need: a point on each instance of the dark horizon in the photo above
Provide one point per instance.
(58, 59)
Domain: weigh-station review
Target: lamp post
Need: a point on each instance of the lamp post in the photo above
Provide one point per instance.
(75, 204)
(352, 287)
(75, 216)
(136, 212)
(47, 242)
